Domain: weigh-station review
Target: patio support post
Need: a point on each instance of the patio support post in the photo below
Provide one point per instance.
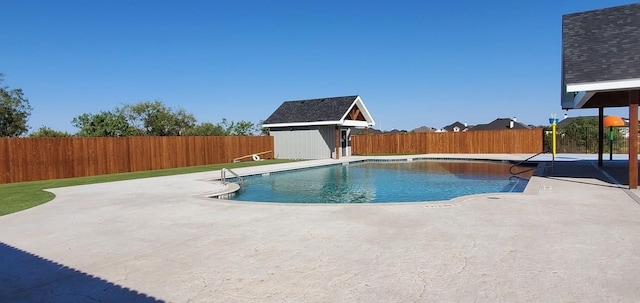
(337, 142)
(600, 134)
(633, 138)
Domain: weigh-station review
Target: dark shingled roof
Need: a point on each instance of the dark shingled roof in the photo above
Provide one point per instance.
(312, 110)
(500, 124)
(601, 45)
(423, 129)
(451, 126)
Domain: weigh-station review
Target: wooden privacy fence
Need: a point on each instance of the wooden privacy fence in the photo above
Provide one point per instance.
(524, 141)
(31, 159)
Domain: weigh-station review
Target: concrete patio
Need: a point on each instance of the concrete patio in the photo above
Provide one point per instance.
(573, 236)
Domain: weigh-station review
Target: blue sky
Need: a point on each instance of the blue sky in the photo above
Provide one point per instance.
(413, 63)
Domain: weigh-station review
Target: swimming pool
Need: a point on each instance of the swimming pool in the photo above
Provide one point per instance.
(380, 182)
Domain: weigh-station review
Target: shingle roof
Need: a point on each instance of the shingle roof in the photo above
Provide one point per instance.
(311, 110)
(423, 129)
(601, 45)
(451, 126)
(500, 124)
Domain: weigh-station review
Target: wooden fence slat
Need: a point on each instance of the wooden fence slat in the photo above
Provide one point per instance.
(482, 142)
(32, 159)
(4, 161)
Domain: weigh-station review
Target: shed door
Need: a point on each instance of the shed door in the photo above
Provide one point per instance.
(345, 143)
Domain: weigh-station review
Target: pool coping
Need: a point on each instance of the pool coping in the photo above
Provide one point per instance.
(232, 187)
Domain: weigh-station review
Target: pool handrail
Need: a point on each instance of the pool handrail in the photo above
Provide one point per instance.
(522, 162)
(223, 175)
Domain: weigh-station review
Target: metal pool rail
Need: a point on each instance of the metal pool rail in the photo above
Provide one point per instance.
(223, 176)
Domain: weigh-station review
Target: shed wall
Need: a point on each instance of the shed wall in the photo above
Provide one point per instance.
(304, 142)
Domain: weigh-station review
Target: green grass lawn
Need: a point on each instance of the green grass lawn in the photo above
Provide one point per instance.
(18, 196)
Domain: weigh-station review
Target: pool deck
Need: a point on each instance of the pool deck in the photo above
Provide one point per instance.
(573, 236)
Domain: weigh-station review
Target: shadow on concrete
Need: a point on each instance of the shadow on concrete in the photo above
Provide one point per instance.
(618, 169)
(25, 277)
(588, 169)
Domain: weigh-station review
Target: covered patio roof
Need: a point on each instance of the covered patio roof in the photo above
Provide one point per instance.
(601, 67)
(600, 57)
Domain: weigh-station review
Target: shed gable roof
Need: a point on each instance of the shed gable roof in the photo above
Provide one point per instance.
(321, 111)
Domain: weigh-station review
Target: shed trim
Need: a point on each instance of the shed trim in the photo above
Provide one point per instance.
(291, 124)
(344, 121)
(365, 113)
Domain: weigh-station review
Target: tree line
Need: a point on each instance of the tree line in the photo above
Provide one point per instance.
(146, 118)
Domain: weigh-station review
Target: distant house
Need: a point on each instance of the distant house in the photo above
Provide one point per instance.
(501, 124)
(456, 127)
(423, 129)
(316, 128)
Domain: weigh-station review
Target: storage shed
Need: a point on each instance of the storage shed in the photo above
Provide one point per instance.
(316, 128)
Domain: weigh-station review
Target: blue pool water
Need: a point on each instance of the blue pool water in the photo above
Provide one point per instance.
(378, 182)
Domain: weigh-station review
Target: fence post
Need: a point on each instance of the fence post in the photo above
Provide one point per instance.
(366, 141)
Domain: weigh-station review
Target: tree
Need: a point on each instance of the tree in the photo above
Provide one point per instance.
(223, 128)
(240, 128)
(206, 129)
(14, 111)
(227, 126)
(581, 135)
(260, 130)
(46, 132)
(243, 128)
(156, 119)
(103, 124)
